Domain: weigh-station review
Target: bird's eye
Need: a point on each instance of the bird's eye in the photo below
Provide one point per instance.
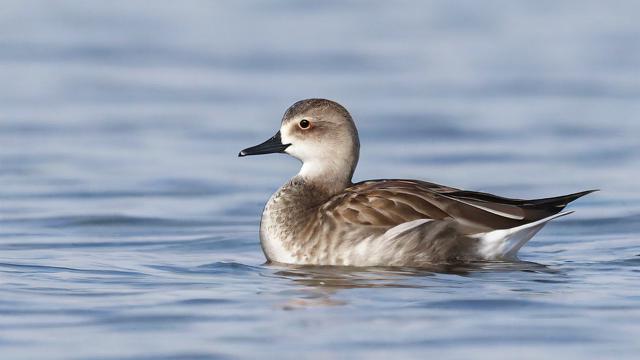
(304, 124)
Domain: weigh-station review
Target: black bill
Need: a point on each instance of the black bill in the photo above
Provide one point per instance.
(273, 145)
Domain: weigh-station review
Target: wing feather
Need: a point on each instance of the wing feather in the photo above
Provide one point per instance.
(388, 203)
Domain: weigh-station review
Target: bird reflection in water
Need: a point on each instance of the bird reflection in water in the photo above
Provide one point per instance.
(320, 284)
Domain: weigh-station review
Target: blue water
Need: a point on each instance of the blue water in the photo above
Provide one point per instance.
(129, 228)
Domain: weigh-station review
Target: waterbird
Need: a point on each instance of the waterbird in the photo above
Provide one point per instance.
(320, 217)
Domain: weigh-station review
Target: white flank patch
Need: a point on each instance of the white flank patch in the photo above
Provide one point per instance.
(505, 243)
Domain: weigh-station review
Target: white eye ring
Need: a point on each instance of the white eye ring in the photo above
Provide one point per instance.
(304, 124)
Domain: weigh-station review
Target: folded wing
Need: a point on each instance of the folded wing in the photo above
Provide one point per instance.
(387, 203)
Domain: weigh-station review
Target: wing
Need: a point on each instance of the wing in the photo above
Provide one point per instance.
(384, 204)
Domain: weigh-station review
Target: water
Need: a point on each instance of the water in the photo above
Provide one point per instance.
(129, 228)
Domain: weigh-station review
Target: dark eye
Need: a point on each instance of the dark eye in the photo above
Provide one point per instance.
(304, 124)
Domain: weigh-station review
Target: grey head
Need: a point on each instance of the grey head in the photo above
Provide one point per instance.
(321, 134)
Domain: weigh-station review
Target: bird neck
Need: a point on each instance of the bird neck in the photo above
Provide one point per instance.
(330, 175)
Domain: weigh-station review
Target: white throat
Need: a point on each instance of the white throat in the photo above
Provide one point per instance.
(332, 174)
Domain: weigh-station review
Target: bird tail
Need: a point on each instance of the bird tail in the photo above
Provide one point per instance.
(503, 244)
(557, 201)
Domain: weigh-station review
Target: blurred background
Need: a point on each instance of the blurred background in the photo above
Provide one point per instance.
(129, 228)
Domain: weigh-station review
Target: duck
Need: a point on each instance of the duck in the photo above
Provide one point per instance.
(320, 217)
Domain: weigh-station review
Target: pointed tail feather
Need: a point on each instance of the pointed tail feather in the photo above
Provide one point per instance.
(504, 244)
(558, 201)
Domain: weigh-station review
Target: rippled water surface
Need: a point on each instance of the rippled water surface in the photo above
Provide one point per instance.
(129, 228)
